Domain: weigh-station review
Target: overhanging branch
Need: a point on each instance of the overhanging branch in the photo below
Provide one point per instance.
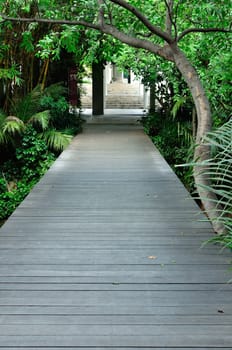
(143, 19)
(50, 21)
(202, 30)
(163, 52)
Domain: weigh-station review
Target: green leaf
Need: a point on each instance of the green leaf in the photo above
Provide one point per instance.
(40, 119)
(56, 140)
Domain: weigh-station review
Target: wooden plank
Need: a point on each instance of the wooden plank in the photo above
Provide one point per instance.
(110, 348)
(111, 286)
(114, 330)
(210, 310)
(155, 320)
(113, 256)
(68, 276)
(209, 340)
(142, 298)
(97, 244)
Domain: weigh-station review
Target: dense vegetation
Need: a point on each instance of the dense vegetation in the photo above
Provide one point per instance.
(184, 58)
(38, 129)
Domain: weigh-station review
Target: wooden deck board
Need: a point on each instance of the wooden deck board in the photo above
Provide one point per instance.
(106, 253)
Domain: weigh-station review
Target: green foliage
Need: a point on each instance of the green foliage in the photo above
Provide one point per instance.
(11, 73)
(20, 174)
(10, 199)
(27, 41)
(48, 112)
(33, 135)
(24, 108)
(56, 140)
(175, 143)
(12, 126)
(49, 46)
(54, 100)
(220, 173)
(33, 156)
(40, 119)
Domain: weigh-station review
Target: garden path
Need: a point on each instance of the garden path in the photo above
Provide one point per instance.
(105, 253)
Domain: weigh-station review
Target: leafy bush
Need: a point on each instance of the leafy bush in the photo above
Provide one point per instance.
(10, 199)
(48, 112)
(174, 141)
(41, 122)
(54, 99)
(33, 156)
(31, 161)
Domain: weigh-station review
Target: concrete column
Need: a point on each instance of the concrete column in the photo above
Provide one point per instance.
(145, 97)
(98, 88)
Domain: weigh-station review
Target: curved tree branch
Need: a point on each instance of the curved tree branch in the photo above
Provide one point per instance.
(143, 19)
(202, 30)
(163, 52)
(169, 17)
(49, 21)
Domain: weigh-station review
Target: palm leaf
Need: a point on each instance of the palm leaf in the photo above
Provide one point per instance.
(56, 140)
(13, 126)
(4, 139)
(218, 170)
(220, 173)
(40, 119)
(28, 105)
(55, 91)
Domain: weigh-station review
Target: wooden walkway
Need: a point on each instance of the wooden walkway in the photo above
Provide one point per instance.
(105, 253)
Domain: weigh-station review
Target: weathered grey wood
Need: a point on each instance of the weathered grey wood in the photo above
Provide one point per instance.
(91, 297)
(221, 309)
(155, 320)
(111, 286)
(113, 330)
(106, 252)
(110, 348)
(174, 341)
(170, 255)
(115, 348)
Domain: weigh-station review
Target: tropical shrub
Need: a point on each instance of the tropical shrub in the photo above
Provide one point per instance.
(54, 99)
(219, 170)
(39, 126)
(22, 171)
(48, 112)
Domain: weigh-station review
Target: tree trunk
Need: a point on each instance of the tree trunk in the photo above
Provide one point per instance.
(202, 150)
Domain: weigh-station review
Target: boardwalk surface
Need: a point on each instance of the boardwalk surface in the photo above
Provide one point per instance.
(105, 253)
